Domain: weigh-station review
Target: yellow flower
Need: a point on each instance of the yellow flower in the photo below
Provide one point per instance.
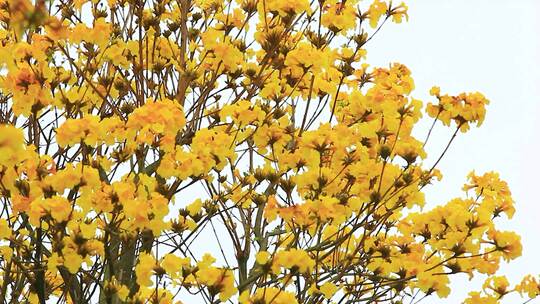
(115, 53)
(194, 207)
(427, 281)
(477, 298)
(160, 119)
(530, 286)
(144, 269)
(435, 91)
(12, 149)
(173, 264)
(498, 284)
(328, 289)
(376, 10)
(73, 131)
(262, 257)
(58, 207)
(294, 259)
(506, 242)
(5, 230)
(71, 260)
(221, 281)
(268, 294)
(287, 7)
(99, 34)
(399, 12)
(340, 16)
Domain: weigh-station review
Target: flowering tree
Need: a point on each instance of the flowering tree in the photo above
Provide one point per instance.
(134, 133)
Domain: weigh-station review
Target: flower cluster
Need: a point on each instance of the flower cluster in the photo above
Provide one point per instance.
(462, 109)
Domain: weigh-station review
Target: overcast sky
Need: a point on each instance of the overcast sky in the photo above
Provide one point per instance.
(492, 47)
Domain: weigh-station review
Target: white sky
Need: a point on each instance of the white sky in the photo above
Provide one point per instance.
(491, 46)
